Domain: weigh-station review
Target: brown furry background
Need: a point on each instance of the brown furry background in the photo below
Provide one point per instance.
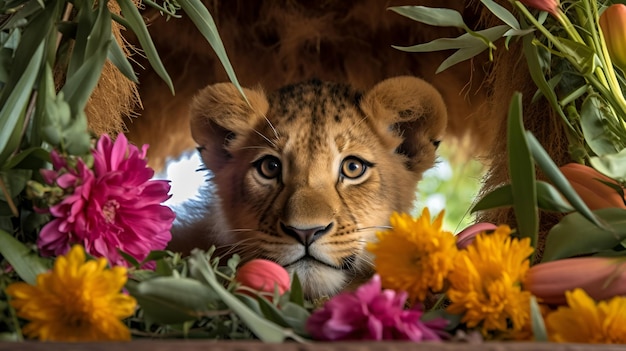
(273, 43)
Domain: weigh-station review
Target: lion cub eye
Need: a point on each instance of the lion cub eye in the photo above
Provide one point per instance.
(353, 167)
(268, 167)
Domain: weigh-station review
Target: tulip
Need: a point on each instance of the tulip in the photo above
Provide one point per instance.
(613, 25)
(263, 275)
(586, 181)
(551, 6)
(467, 235)
(600, 277)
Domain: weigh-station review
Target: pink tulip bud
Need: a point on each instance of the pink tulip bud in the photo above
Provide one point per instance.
(600, 277)
(613, 25)
(262, 275)
(551, 6)
(467, 235)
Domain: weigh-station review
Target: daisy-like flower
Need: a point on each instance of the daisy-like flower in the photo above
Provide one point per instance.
(415, 255)
(371, 314)
(77, 300)
(485, 284)
(585, 321)
(114, 206)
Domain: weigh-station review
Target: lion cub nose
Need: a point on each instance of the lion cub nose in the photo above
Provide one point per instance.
(306, 236)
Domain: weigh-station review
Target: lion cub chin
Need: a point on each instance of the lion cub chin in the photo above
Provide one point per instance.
(306, 175)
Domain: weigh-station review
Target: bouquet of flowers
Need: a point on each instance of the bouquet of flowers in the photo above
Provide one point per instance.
(83, 230)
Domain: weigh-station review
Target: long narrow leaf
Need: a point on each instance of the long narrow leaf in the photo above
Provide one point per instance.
(433, 16)
(135, 23)
(203, 20)
(548, 199)
(26, 263)
(551, 170)
(502, 13)
(522, 173)
(118, 58)
(13, 110)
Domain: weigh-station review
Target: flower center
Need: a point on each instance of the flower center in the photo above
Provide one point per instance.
(109, 209)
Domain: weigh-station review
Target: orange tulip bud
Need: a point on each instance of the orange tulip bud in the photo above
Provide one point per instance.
(551, 6)
(600, 277)
(586, 181)
(262, 275)
(613, 25)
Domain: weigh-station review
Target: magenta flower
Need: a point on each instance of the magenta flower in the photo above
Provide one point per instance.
(115, 206)
(372, 314)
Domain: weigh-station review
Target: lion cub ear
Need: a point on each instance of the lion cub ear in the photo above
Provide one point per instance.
(411, 116)
(220, 117)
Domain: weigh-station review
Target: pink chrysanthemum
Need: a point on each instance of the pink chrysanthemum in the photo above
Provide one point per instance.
(372, 314)
(115, 206)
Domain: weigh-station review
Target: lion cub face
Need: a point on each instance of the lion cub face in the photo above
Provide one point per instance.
(308, 174)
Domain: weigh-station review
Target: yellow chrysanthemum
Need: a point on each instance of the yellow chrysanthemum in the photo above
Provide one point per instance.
(77, 300)
(585, 321)
(415, 255)
(485, 284)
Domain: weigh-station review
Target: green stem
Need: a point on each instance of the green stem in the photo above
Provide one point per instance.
(604, 89)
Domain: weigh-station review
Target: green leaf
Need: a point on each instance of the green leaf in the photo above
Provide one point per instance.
(15, 181)
(502, 13)
(612, 165)
(81, 83)
(548, 199)
(434, 16)
(575, 235)
(203, 20)
(531, 52)
(499, 197)
(467, 53)
(172, 300)
(552, 172)
(134, 22)
(296, 294)
(118, 58)
(271, 313)
(296, 316)
(593, 123)
(463, 41)
(522, 174)
(13, 110)
(25, 158)
(265, 330)
(26, 263)
(536, 320)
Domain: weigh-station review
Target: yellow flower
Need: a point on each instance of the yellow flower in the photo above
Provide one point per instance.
(75, 301)
(584, 321)
(485, 284)
(415, 255)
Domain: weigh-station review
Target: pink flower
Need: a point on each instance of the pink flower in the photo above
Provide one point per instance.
(262, 275)
(551, 6)
(467, 235)
(115, 206)
(372, 314)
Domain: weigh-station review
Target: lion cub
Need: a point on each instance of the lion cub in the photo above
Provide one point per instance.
(305, 176)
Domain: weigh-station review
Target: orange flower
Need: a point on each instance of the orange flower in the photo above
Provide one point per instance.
(587, 183)
(613, 25)
(600, 277)
(263, 275)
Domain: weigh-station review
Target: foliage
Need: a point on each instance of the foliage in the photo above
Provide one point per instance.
(568, 59)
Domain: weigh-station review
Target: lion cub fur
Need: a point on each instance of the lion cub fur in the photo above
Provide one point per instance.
(306, 175)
